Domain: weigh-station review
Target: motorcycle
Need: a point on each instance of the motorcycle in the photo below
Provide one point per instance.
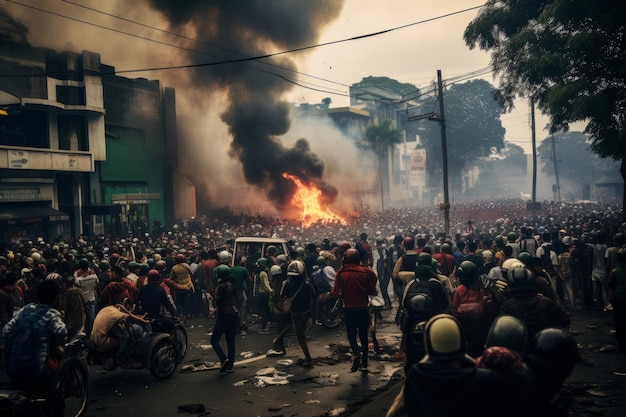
(331, 314)
(331, 311)
(155, 349)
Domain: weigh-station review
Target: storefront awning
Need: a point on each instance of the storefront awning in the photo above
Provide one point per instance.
(32, 215)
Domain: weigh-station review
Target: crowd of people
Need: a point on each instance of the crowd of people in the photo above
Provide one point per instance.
(481, 306)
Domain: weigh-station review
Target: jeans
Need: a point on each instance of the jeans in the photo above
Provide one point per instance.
(226, 324)
(357, 321)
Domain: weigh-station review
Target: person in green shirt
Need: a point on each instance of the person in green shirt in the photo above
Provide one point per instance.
(240, 278)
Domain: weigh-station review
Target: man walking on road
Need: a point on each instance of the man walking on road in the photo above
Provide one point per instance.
(355, 283)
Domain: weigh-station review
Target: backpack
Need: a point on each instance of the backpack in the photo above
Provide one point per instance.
(474, 304)
(22, 348)
(410, 290)
(320, 284)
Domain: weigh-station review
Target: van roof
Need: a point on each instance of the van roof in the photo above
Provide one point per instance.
(260, 239)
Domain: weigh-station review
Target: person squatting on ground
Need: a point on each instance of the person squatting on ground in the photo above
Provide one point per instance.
(227, 320)
(355, 283)
(302, 309)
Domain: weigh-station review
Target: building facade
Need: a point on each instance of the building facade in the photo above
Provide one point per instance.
(81, 149)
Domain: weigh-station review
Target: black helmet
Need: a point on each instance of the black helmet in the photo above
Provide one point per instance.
(132, 265)
(520, 278)
(554, 349)
(425, 258)
(444, 339)
(104, 265)
(467, 272)
(420, 307)
(507, 331)
(83, 263)
(143, 269)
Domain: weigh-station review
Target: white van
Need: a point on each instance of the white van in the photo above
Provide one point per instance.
(254, 248)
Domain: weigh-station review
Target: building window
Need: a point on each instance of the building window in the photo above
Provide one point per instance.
(73, 133)
(68, 95)
(128, 134)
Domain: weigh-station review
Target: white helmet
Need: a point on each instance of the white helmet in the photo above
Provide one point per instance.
(224, 257)
(276, 270)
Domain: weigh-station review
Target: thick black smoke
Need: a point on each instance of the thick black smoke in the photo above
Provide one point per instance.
(256, 116)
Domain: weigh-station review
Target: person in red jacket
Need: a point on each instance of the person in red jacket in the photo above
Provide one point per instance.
(355, 283)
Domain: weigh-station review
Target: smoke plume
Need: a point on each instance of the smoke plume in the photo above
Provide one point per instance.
(254, 113)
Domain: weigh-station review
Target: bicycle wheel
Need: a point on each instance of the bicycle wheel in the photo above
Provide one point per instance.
(163, 358)
(73, 385)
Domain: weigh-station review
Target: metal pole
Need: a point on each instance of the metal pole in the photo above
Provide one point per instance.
(534, 142)
(444, 151)
(556, 170)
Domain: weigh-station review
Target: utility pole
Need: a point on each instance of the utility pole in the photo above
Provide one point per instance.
(445, 206)
(534, 142)
(556, 171)
(444, 151)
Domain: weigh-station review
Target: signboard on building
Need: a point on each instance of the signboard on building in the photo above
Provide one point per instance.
(18, 159)
(134, 198)
(417, 168)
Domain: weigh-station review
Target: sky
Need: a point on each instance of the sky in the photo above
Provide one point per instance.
(419, 39)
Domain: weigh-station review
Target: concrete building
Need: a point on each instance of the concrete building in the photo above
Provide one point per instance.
(81, 150)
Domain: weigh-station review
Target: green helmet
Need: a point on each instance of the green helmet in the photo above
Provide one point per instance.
(222, 271)
(527, 259)
(262, 263)
(321, 261)
(511, 237)
(144, 268)
(104, 265)
(132, 265)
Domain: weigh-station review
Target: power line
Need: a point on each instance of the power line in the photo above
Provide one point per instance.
(251, 58)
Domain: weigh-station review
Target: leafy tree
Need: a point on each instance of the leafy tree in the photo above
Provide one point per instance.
(568, 56)
(388, 84)
(381, 137)
(473, 128)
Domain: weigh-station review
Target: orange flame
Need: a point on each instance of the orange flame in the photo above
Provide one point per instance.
(307, 199)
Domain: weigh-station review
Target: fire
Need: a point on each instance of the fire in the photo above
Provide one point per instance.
(307, 199)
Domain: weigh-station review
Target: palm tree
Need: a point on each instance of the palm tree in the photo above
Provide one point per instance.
(381, 137)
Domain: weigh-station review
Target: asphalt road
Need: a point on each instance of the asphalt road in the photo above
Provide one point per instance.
(329, 388)
(597, 386)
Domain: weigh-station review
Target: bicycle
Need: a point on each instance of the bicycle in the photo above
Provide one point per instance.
(72, 387)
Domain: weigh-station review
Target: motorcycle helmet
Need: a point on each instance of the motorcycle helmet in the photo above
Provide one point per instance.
(271, 250)
(83, 263)
(425, 258)
(222, 272)
(104, 265)
(520, 278)
(487, 256)
(295, 268)
(282, 259)
(262, 263)
(321, 261)
(444, 339)
(467, 272)
(153, 275)
(132, 265)
(507, 331)
(352, 256)
(420, 307)
(276, 270)
(344, 246)
(555, 349)
(224, 257)
(160, 265)
(143, 268)
(527, 259)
